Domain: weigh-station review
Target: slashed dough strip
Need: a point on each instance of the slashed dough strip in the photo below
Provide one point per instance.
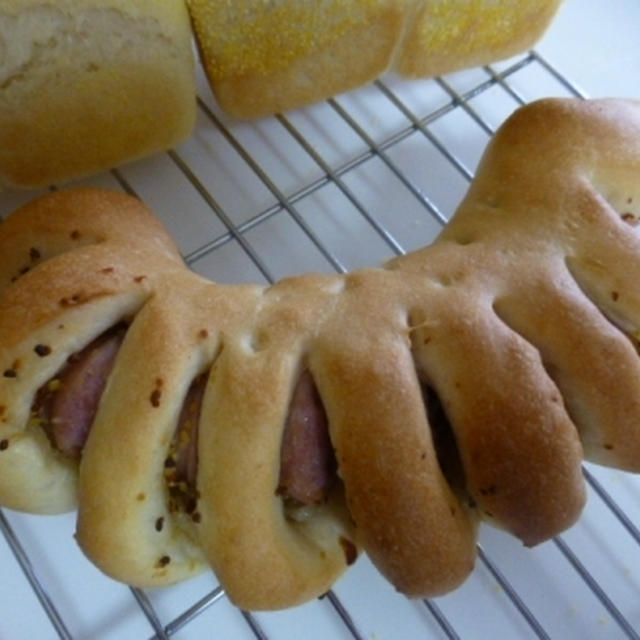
(521, 322)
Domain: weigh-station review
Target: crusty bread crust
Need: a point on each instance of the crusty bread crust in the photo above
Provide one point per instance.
(522, 318)
(90, 84)
(264, 58)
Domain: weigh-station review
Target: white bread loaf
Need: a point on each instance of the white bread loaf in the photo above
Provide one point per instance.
(267, 57)
(89, 84)
(521, 322)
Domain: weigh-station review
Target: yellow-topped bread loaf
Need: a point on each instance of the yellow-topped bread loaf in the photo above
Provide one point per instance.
(86, 85)
(448, 35)
(89, 84)
(265, 57)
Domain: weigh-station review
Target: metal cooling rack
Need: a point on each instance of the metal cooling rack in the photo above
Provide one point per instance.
(344, 184)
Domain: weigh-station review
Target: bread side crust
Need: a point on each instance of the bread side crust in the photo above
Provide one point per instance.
(89, 85)
(447, 36)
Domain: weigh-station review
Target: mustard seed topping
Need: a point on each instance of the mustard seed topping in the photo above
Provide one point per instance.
(155, 398)
(42, 350)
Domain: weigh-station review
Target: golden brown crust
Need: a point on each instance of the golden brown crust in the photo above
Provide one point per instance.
(84, 289)
(523, 319)
(519, 450)
(255, 549)
(263, 58)
(407, 518)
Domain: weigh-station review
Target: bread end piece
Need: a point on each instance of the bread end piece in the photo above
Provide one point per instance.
(87, 85)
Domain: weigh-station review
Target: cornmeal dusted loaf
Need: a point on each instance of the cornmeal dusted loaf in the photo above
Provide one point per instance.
(89, 84)
(272, 432)
(266, 57)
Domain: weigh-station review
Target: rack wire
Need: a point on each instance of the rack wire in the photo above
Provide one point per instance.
(348, 183)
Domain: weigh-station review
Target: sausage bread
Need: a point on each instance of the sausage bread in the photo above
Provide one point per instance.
(274, 432)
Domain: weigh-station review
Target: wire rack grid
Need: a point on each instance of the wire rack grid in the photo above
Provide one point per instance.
(344, 184)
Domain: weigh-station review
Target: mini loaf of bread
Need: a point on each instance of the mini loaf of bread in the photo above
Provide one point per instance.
(89, 84)
(273, 432)
(267, 57)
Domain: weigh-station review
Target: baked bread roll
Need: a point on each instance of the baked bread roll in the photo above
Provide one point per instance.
(90, 84)
(266, 57)
(273, 432)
